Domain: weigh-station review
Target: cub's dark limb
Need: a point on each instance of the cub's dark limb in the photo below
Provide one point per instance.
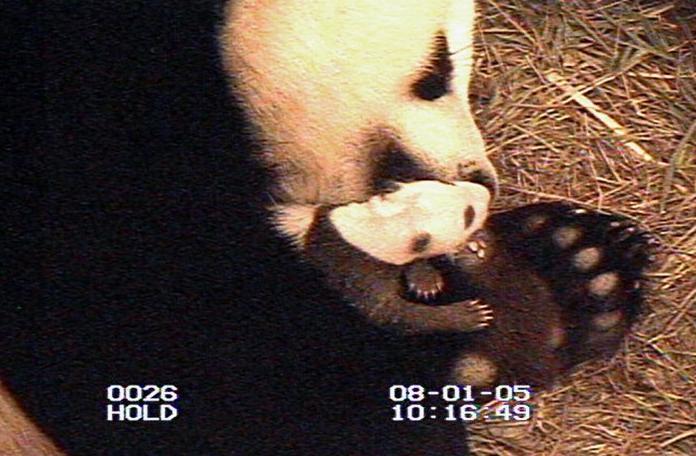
(564, 284)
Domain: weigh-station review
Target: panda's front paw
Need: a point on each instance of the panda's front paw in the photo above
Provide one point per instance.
(594, 263)
(593, 260)
(419, 219)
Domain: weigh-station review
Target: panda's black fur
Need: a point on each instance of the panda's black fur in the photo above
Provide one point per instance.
(140, 253)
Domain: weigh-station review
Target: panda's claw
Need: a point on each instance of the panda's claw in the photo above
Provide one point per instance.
(422, 296)
(651, 240)
(624, 233)
(484, 323)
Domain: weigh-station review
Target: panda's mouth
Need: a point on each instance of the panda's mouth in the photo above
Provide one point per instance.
(482, 178)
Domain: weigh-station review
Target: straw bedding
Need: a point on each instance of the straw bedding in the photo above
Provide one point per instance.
(594, 102)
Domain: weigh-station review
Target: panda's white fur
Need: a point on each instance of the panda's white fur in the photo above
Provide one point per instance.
(327, 87)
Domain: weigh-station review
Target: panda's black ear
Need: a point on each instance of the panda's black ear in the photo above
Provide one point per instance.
(436, 82)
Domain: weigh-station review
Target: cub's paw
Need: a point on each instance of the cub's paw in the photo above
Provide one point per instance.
(483, 312)
(431, 281)
(418, 220)
(593, 262)
(423, 283)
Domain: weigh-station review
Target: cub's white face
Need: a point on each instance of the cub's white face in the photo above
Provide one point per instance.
(420, 220)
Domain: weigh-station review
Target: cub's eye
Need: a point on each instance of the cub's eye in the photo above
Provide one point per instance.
(436, 82)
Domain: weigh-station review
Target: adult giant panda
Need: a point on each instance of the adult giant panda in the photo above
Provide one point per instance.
(187, 153)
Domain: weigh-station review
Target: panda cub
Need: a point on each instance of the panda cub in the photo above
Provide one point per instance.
(539, 289)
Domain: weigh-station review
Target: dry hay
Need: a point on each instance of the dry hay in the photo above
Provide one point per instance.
(595, 102)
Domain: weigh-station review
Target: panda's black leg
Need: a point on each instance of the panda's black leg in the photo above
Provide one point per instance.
(593, 263)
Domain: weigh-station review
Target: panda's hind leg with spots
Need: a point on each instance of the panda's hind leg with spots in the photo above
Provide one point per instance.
(593, 263)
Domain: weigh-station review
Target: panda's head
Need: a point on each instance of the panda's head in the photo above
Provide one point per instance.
(345, 97)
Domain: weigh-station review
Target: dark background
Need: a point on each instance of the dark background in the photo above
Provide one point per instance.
(135, 252)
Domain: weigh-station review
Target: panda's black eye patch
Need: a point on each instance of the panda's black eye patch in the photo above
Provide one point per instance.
(395, 165)
(436, 82)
